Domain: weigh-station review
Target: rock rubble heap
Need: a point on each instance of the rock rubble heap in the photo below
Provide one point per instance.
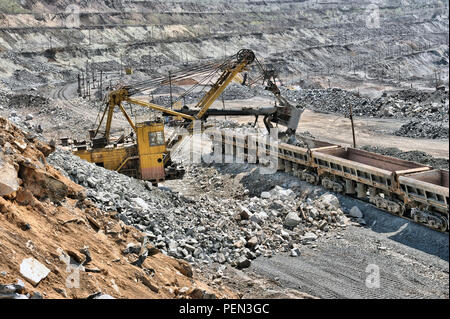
(423, 129)
(208, 229)
(56, 243)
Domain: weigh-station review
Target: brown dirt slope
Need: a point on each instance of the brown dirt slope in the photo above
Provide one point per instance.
(49, 218)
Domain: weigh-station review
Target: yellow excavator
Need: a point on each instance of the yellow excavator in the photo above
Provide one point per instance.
(147, 156)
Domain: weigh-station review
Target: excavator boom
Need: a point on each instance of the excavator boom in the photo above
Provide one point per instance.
(148, 157)
(117, 97)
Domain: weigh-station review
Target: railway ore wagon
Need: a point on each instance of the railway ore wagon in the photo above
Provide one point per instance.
(367, 175)
(427, 193)
(297, 160)
(292, 159)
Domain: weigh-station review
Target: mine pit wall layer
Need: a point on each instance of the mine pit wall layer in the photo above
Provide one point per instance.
(400, 187)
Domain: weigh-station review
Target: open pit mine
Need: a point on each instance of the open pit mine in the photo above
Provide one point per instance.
(277, 149)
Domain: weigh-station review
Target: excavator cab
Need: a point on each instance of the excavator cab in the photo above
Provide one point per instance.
(151, 144)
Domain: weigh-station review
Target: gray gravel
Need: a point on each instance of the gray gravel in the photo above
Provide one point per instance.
(412, 259)
(423, 129)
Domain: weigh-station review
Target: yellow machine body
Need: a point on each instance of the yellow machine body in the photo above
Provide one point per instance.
(152, 148)
(115, 159)
(144, 160)
(104, 157)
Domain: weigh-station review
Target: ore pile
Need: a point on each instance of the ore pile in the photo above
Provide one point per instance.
(209, 229)
(423, 129)
(413, 156)
(165, 89)
(30, 112)
(26, 101)
(20, 77)
(162, 100)
(232, 92)
(405, 104)
(334, 101)
(238, 128)
(26, 122)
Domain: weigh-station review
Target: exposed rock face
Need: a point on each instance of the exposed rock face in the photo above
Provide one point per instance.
(33, 270)
(42, 185)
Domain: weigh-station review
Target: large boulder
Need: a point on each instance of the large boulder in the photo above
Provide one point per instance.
(292, 219)
(42, 185)
(8, 178)
(329, 200)
(356, 212)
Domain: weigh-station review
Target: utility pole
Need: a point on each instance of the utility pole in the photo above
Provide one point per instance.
(170, 86)
(353, 126)
(101, 85)
(120, 64)
(223, 103)
(79, 85)
(93, 78)
(83, 86)
(89, 87)
(435, 78)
